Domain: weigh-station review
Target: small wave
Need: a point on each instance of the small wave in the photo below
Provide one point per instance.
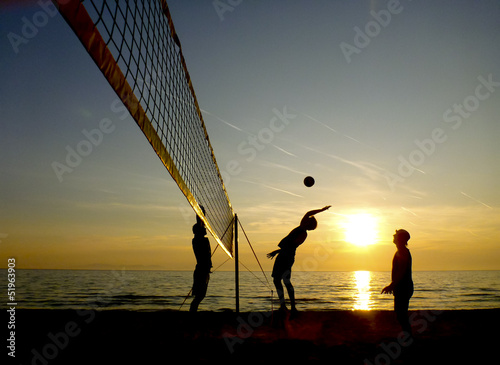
(429, 290)
(479, 295)
(143, 290)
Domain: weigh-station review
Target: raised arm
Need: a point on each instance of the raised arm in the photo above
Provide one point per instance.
(313, 212)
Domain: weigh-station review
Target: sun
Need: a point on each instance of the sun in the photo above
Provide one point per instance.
(360, 229)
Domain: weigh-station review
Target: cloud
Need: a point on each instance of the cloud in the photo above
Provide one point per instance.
(476, 200)
(283, 150)
(369, 169)
(271, 187)
(280, 166)
(337, 132)
(225, 122)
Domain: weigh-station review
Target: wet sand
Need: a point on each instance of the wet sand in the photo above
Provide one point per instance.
(73, 337)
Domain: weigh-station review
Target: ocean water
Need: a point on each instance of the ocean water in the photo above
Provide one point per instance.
(159, 290)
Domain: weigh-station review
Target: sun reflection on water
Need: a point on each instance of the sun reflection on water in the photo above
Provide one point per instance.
(363, 296)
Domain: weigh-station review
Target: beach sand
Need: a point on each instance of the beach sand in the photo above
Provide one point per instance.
(73, 337)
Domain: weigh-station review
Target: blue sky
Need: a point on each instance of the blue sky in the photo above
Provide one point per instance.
(403, 131)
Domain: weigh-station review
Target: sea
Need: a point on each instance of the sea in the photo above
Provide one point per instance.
(169, 290)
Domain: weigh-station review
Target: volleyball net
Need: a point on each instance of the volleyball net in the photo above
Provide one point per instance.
(135, 46)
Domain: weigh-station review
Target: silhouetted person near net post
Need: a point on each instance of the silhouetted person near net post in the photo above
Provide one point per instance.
(282, 269)
(402, 284)
(203, 254)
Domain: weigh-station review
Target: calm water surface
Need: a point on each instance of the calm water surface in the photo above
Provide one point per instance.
(156, 290)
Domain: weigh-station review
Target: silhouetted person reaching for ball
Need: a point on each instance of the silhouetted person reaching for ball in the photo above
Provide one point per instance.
(282, 269)
(203, 254)
(402, 284)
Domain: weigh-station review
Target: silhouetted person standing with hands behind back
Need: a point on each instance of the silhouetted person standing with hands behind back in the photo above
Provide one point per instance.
(203, 254)
(402, 283)
(282, 269)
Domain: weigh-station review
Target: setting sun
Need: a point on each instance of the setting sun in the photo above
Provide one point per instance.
(360, 229)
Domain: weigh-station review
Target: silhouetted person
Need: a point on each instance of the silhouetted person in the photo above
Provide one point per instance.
(402, 284)
(203, 254)
(282, 269)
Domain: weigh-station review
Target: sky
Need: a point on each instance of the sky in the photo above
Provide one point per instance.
(392, 106)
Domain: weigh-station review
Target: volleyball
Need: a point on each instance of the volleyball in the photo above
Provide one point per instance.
(309, 181)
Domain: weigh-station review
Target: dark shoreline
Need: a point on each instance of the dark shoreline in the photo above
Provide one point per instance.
(345, 337)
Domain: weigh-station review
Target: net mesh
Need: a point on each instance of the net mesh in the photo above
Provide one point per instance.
(135, 45)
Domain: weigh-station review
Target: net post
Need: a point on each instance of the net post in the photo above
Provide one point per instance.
(236, 265)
